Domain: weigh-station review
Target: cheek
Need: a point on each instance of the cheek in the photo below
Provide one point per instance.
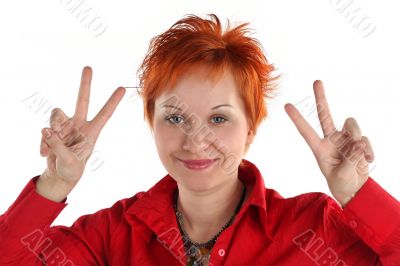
(230, 139)
(166, 139)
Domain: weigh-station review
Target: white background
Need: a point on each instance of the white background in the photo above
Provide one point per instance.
(44, 48)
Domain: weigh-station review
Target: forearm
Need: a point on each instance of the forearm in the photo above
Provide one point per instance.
(23, 227)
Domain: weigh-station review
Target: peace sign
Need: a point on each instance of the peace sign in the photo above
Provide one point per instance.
(72, 140)
(343, 156)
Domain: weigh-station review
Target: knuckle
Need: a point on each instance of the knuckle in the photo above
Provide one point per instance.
(351, 119)
(55, 110)
(56, 113)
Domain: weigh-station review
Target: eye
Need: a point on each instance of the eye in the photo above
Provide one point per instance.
(223, 119)
(174, 118)
(177, 119)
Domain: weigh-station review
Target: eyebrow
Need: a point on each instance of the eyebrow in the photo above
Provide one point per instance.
(215, 107)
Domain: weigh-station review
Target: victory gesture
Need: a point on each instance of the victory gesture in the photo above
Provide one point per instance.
(69, 142)
(343, 156)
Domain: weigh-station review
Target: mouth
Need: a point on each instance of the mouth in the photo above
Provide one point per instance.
(198, 164)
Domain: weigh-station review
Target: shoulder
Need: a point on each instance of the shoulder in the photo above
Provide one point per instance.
(312, 207)
(120, 207)
(314, 212)
(301, 202)
(109, 217)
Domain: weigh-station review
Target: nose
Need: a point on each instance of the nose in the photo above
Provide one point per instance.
(194, 143)
(199, 140)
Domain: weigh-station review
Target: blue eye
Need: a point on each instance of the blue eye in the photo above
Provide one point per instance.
(174, 119)
(223, 118)
(169, 118)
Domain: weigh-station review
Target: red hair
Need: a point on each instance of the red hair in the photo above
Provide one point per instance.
(193, 41)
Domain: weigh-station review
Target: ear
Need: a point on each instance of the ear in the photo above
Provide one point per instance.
(250, 136)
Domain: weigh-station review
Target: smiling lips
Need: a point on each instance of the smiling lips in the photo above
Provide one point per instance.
(198, 164)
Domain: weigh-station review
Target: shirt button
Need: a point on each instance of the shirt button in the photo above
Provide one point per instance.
(353, 224)
(221, 252)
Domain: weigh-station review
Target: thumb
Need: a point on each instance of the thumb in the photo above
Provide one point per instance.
(55, 144)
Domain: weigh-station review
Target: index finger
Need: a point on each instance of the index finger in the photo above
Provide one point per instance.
(324, 114)
(108, 109)
(82, 103)
(308, 133)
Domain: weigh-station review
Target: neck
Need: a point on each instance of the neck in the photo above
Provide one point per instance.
(205, 213)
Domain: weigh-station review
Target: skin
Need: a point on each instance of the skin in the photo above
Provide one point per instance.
(72, 141)
(207, 198)
(342, 155)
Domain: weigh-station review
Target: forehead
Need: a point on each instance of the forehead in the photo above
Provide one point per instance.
(196, 88)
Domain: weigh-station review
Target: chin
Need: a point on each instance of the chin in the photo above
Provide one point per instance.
(196, 185)
(194, 181)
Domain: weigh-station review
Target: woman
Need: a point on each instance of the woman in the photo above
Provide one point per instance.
(203, 92)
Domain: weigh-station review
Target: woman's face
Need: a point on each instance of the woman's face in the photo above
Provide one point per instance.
(201, 129)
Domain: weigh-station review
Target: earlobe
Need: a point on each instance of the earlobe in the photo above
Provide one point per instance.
(250, 137)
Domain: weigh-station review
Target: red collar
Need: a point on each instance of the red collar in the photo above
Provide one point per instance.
(153, 208)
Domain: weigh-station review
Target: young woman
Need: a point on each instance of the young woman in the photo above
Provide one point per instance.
(204, 92)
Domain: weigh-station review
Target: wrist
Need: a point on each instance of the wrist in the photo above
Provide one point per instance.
(345, 199)
(52, 188)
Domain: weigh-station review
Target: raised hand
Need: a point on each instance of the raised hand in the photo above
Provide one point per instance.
(72, 141)
(343, 156)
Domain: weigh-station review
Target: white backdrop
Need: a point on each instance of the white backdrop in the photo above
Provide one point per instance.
(352, 46)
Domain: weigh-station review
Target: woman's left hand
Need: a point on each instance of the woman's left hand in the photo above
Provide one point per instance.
(343, 156)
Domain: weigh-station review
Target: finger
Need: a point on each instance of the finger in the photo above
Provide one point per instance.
(351, 126)
(346, 146)
(324, 114)
(340, 139)
(82, 103)
(66, 129)
(356, 151)
(356, 157)
(44, 148)
(308, 133)
(57, 119)
(108, 109)
(56, 145)
(369, 152)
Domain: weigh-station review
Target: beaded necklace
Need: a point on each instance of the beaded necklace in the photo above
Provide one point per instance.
(199, 253)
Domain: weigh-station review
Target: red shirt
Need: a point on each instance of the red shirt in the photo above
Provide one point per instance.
(309, 229)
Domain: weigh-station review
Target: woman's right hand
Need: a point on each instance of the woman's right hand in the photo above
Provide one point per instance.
(72, 141)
